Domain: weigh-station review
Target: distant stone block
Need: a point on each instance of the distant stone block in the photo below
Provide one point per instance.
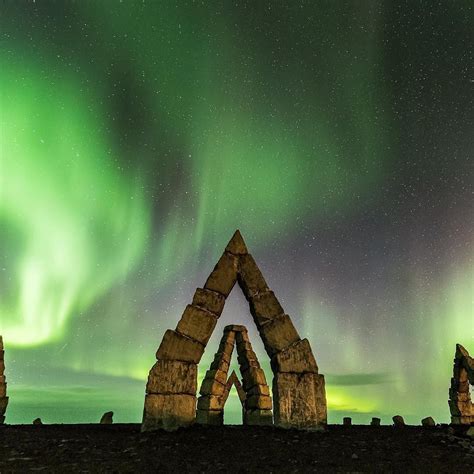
(398, 421)
(428, 421)
(347, 421)
(375, 421)
(107, 418)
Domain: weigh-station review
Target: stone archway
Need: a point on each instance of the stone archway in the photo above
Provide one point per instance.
(460, 404)
(255, 393)
(299, 399)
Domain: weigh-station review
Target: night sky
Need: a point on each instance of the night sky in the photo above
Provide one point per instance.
(137, 136)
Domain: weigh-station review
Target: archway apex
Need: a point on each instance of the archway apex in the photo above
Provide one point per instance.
(236, 244)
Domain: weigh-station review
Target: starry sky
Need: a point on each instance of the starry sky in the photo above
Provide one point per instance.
(136, 136)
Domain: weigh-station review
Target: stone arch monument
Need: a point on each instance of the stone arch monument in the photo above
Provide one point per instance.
(255, 393)
(299, 399)
(460, 404)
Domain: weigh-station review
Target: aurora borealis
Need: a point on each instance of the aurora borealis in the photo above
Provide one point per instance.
(135, 137)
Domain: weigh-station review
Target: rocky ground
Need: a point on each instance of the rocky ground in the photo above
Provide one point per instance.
(122, 448)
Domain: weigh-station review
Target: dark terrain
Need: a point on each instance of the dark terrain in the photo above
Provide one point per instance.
(122, 448)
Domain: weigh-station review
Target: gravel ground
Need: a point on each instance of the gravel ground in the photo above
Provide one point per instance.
(122, 448)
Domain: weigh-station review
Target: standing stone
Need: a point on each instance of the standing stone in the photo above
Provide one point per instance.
(428, 421)
(37, 421)
(299, 400)
(168, 412)
(460, 404)
(398, 421)
(3, 384)
(347, 421)
(107, 418)
(375, 421)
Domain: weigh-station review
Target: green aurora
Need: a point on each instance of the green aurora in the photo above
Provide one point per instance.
(136, 137)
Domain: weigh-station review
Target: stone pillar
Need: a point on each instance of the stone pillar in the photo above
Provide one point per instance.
(210, 406)
(299, 394)
(460, 404)
(3, 384)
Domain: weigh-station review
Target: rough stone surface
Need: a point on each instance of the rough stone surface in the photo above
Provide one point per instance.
(460, 404)
(258, 417)
(222, 279)
(107, 418)
(262, 402)
(428, 421)
(168, 412)
(209, 300)
(264, 307)
(172, 376)
(175, 346)
(250, 277)
(236, 244)
(398, 421)
(253, 376)
(212, 387)
(375, 421)
(210, 402)
(197, 323)
(296, 358)
(278, 334)
(210, 417)
(299, 400)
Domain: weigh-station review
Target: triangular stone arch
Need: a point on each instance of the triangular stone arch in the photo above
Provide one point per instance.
(460, 404)
(254, 394)
(299, 399)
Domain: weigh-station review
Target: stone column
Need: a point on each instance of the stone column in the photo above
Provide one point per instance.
(460, 404)
(3, 384)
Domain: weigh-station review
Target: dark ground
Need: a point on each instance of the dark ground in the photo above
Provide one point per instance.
(122, 448)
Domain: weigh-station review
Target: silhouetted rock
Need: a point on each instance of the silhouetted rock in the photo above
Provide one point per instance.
(37, 421)
(107, 418)
(428, 421)
(375, 421)
(3, 384)
(347, 421)
(460, 404)
(398, 421)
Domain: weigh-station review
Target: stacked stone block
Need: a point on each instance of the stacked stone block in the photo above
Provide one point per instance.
(3, 384)
(298, 388)
(170, 400)
(460, 404)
